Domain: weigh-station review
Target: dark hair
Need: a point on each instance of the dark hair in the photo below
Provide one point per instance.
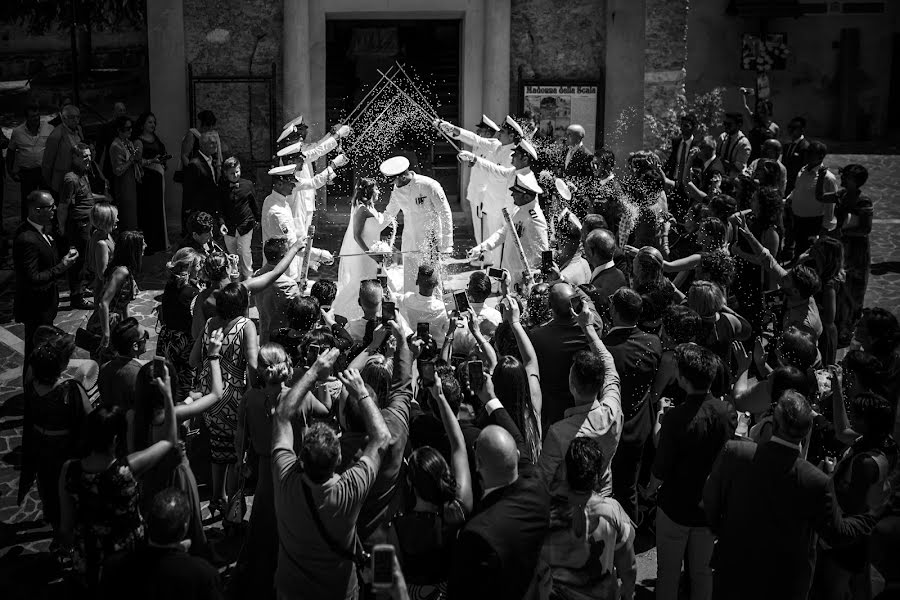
(587, 371)
(715, 229)
(858, 173)
(452, 389)
(696, 364)
(275, 248)
(139, 124)
(690, 118)
(790, 378)
(363, 190)
(511, 386)
(200, 222)
(50, 359)
(737, 117)
(584, 464)
(303, 313)
(120, 122)
(627, 304)
(591, 222)
(718, 267)
(722, 206)
(104, 425)
(320, 451)
(231, 162)
(169, 517)
(45, 333)
(122, 336)
(606, 159)
(805, 281)
(426, 275)
(129, 252)
(771, 209)
(505, 340)
(817, 147)
(206, 118)
(148, 399)
(801, 121)
(876, 412)
(798, 348)
(430, 476)
(31, 107)
(769, 172)
(232, 301)
(884, 328)
(866, 367)
(794, 414)
(479, 287)
(325, 291)
(651, 276)
(682, 324)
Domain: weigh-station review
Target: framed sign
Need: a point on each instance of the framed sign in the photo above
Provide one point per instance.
(558, 104)
(764, 54)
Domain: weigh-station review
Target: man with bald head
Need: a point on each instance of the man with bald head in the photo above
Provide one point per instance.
(599, 250)
(201, 176)
(555, 344)
(578, 159)
(57, 160)
(498, 551)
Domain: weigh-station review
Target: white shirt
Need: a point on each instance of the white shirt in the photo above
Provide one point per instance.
(41, 231)
(278, 221)
(417, 308)
(803, 197)
(531, 225)
(212, 168)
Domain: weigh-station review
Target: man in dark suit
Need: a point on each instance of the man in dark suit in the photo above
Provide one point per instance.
(577, 162)
(497, 555)
(636, 354)
(600, 251)
(201, 175)
(678, 164)
(37, 266)
(766, 503)
(794, 157)
(707, 171)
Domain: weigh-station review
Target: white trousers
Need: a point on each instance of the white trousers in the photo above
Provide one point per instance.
(240, 245)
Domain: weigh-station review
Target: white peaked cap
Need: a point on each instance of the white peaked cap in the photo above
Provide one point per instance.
(289, 128)
(487, 122)
(563, 188)
(292, 149)
(283, 171)
(526, 182)
(395, 165)
(511, 123)
(528, 147)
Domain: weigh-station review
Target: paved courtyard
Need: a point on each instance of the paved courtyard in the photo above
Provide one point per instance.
(25, 566)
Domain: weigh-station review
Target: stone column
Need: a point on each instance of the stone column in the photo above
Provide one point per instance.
(168, 91)
(295, 70)
(496, 59)
(624, 95)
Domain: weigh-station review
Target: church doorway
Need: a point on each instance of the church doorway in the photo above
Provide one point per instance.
(356, 49)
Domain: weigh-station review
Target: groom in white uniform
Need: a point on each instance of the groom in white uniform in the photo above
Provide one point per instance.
(427, 220)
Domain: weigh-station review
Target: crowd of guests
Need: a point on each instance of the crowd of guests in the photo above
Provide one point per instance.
(673, 370)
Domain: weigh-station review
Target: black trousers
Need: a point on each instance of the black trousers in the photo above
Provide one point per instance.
(78, 236)
(31, 323)
(626, 467)
(803, 230)
(29, 180)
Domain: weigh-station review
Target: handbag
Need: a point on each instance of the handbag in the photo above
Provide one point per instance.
(87, 340)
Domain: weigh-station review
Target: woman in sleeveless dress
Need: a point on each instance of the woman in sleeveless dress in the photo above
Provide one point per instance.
(364, 230)
(240, 348)
(151, 190)
(119, 289)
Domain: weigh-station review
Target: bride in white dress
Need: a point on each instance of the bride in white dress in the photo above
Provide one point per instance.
(364, 230)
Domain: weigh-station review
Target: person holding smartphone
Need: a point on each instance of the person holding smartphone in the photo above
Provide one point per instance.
(422, 306)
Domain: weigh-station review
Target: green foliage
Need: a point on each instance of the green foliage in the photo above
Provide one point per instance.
(707, 107)
(41, 16)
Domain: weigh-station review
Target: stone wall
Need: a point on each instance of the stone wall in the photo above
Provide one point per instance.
(236, 37)
(666, 56)
(553, 40)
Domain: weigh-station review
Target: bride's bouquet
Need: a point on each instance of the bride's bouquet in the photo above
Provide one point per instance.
(380, 247)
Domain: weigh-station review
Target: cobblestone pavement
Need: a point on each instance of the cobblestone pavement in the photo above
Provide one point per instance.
(25, 565)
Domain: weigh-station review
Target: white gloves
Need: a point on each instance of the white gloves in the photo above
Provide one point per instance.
(466, 156)
(341, 131)
(340, 160)
(475, 252)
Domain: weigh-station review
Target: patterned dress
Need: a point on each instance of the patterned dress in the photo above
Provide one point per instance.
(221, 419)
(175, 340)
(107, 517)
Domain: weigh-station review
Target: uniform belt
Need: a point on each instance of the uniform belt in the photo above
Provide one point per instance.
(50, 432)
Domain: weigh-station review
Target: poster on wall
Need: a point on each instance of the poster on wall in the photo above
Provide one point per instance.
(560, 104)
